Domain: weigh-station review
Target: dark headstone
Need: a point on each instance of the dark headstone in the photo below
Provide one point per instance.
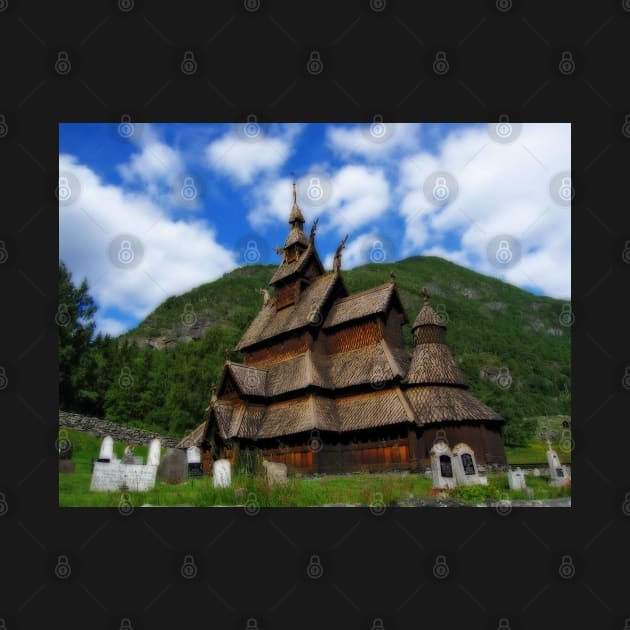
(173, 467)
(66, 466)
(195, 470)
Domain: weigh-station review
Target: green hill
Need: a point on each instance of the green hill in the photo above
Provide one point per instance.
(494, 329)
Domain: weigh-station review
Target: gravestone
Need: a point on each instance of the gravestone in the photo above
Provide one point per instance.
(221, 473)
(441, 466)
(536, 472)
(66, 466)
(516, 479)
(558, 474)
(137, 459)
(276, 473)
(115, 476)
(465, 467)
(106, 454)
(173, 467)
(193, 457)
(153, 458)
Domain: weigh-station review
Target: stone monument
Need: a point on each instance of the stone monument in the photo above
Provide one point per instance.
(442, 466)
(106, 453)
(516, 479)
(193, 457)
(465, 466)
(111, 474)
(558, 474)
(173, 467)
(153, 458)
(221, 473)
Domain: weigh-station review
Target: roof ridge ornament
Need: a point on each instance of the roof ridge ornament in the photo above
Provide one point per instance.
(337, 258)
(311, 236)
(425, 295)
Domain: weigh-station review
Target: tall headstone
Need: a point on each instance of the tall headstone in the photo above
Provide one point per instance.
(442, 466)
(153, 458)
(193, 456)
(558, 474)
(173, 467)
(106, 454)
(221, 473)
(465, 466)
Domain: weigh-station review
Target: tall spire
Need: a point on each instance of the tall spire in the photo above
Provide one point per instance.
(296, 218)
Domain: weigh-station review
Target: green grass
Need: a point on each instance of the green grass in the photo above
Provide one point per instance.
(364, 489)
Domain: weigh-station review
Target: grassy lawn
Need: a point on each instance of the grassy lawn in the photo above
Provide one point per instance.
(364, 489)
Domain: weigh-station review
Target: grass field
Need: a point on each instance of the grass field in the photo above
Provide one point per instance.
(364, 489)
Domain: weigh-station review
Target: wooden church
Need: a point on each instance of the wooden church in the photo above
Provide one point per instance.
(325, 384)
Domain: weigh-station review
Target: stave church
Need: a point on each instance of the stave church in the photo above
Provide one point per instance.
(326, 386)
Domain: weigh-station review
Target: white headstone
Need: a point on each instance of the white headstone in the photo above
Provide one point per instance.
(153, 458)
(107, 449)
(558, 474)
(276, 473)
(536, 472)
(221, 473)
(465, 467)
(193, 455)
(442, 466)
(516, 479)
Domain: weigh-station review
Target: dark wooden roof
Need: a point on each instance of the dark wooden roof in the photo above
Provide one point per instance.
(271, 323)
(360, 305)
(433, 363)
(195, 437)
(287, 269)
(428, 317)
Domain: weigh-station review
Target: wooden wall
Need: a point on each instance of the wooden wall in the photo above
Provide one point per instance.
(399, 447)
(280, 350)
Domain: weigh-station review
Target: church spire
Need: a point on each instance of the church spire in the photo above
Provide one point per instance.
(296, 218)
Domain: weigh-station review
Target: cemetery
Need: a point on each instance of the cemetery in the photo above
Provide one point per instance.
(165, 476)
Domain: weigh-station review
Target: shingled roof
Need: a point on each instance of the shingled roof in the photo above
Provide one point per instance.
(269, 322)
(362, 304)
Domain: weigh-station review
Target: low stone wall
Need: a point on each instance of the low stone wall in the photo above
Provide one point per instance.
(119, 432)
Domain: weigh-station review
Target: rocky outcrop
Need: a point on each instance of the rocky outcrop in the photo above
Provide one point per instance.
(119, 432)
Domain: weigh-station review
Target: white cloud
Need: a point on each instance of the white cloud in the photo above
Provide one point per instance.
(156, 162)
(373, 142)
(178, 255)
(242, 158)
(358, 195)
(503, 189)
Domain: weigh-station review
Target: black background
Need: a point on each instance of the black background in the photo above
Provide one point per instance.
(374, 62)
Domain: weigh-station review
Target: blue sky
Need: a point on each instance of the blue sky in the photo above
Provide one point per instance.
(153, 210)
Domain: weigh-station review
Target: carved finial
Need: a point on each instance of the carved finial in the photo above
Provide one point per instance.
(425, 295)
(294, 191)
(226, 354)
(392, 277)
(265, 294)
(213, 392)
(337, 258)
(278, 250)
(313, 230)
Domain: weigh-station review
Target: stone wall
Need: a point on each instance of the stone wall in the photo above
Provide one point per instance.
(119, 432)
